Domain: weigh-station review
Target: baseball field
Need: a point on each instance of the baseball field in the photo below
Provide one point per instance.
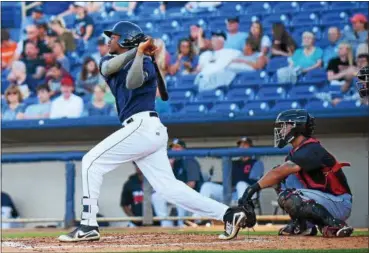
(262, 240)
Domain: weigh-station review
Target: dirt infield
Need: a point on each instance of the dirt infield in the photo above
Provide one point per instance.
(158, 241)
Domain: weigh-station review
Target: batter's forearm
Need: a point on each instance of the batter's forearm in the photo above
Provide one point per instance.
(115, 64)
(136, 75)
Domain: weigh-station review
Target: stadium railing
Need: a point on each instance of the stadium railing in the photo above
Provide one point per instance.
(70, 157)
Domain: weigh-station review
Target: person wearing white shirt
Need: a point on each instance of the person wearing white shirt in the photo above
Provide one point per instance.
(235, 38)
(67, 105)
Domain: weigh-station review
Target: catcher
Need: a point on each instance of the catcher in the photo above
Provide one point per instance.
(325, 199)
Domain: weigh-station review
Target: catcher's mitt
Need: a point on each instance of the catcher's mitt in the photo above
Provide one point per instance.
(249, 209)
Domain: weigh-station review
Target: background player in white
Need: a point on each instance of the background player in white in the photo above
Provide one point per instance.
(132, 78)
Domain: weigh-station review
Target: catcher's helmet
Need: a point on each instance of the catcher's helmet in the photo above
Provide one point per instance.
(130, 34)
(290, 124)
(363, 83)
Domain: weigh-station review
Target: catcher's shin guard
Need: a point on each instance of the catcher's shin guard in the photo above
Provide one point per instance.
(311, 211)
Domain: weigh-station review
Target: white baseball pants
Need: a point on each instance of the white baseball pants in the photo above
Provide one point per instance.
(144, 140)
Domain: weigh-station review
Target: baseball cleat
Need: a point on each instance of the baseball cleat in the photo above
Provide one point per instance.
(294, 228)
(344, 231)
(232, 220)
(81, 233)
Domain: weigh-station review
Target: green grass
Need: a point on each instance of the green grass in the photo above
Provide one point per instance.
(32, 234)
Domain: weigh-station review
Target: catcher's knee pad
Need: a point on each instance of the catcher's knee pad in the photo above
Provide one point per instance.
(291, 202)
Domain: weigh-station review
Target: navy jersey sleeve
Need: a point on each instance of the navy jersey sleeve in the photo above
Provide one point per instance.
(149, 69)
(193, 170)
(103, 59)
(312, 157)
(126, 198)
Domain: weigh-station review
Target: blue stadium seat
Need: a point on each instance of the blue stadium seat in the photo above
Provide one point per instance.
(286, 7)
(270, 92)
(231, 7)
(181, 95)
(225, 108)
(302, 92)
(248, 79)
(276, 63)
(184, 81)
(343, 5)
(275, 18)
(30, 101)
(306, 19)
(176, 106)
(285, 105)
(194, 109)
(318, 76)
(316, 105)
(256, 107)
(241, 94)
(334, 18)
(314, 6)
(349, 105)
(210, 96)
(257, 8)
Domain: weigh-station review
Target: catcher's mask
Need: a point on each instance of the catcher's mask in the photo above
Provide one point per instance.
(363, 82)
(290, 124)
(131, 35)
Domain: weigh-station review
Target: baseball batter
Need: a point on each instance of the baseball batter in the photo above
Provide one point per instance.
(132, 78)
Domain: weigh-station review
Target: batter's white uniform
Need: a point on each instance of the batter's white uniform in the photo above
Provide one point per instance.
(144, 140)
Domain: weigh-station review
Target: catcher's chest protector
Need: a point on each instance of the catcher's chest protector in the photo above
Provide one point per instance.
(332, 183)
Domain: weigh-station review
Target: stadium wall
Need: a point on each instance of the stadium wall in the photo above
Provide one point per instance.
(38, 189)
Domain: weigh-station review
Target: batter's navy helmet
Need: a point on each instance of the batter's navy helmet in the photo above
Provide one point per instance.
(130, 34)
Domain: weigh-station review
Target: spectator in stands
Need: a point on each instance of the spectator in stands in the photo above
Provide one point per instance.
(98, 107)
(84, 24)
(18, 76)
(41, 110)
(35, 65)
(64, 35)
(283, 44)
(8, 48)
(89, 76)
(245, 172)
(67, 105)
(235, 38)
(196, 7)
(303, 60)
(42, 31)
(331, 51)
(125, 7)
(58, 51)
(54, 77)
(338, 70)
(32, 36)
(251, 59)
(160, 105)
(212, 64)
(8, 210)
(197, 37)
(360, 31)
(257, 36)
(132, 196)
(186, 61)
(102, 47)
(50, 38)
(162, 57)
(37, 17)
(362, 49)
(13, 109)
(186, 170)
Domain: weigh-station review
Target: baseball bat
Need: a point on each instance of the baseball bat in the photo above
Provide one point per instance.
(161, 83)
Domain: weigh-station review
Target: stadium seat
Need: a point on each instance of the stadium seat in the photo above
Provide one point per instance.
(274, 18)
(225, 108)
(240, 94)
(318, 76)
(194, 109)
(253, 108)
(257, 8)
(332, 18)
(343, 5)
(185, 81)
(302, 92)
(349, 105)
(286, 105)
(181, 95)
(314, 6)
(30, 101)
(270, 92)
(248, 79)
(286, 7)
(276, 63)
(305, 19)
(210, 96)
(318, 105)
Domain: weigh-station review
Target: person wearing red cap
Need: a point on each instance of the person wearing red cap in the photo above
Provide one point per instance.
(67, 105)
(359, 33)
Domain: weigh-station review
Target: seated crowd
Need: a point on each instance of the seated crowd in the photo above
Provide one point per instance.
(39, 80)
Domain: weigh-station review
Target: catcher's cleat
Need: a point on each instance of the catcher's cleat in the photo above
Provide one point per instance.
(81, 233)
(344, 231)
(232, 223)
(298, 228)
